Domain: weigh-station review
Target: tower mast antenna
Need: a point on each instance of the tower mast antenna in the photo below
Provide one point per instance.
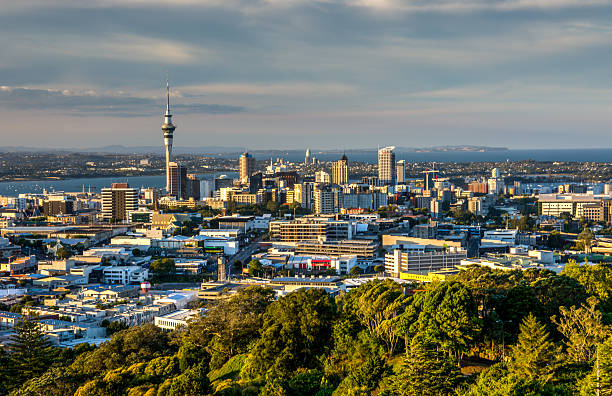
(167, 95)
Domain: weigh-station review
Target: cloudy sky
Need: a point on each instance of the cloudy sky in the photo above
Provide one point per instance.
(307, 73)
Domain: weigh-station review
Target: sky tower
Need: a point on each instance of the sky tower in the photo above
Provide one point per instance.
(168, 129)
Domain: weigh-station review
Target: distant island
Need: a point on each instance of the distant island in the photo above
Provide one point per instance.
(222, 150)
(480, 149)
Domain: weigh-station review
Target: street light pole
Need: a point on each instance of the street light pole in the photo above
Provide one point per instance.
(503, 338)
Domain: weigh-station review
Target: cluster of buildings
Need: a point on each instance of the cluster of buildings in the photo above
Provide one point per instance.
(387, 224)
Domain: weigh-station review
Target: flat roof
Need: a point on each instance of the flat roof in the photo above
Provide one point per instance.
(293, 279)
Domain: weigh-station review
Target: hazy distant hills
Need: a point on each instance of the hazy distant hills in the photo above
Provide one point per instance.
(211, 150)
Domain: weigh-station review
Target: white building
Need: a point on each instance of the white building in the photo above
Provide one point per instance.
(174, 320)
(125, 274)
(508, 236)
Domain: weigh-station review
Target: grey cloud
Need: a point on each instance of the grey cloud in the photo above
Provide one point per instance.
(83, 104)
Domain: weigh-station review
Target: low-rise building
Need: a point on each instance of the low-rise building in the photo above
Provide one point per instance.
(174, 320)
(399, 262)
(125, 274)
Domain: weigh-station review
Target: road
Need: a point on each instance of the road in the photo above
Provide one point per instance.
(245, 253)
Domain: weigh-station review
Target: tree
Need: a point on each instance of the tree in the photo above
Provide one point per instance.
(237, 266)
(448, 319)
(425, 371)
(193, 382)
(379, 268)
(356, 270)
(31, 350)
(586, 238)
(114, 327)
(600, 379)
(255, 268)
(535, 356)
(134, 345)
(364, 378)
(231, 325)
(63, 253)
(376, 305)
(497, 380)
(553, 291)
(596, 279)
(296, 331)
(555, 241)
(272, 206)
(163, 267)
(583, 330)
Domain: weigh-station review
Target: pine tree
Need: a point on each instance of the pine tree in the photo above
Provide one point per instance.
(31, 350)
(599, 381)
(535, 356)
(425, 371)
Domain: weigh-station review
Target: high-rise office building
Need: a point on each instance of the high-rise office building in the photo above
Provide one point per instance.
(386, 165)
(247, 167)
(168, 129)
(178, 181)
(340, 171)
(193, 186)
(118, 200)
(307, 158)
(400, 170)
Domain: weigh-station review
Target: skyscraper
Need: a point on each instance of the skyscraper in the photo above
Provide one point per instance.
(168, 130)
(307, 158)
(247, 167)
(118, 200)
(386, 165)
(340, 171)
(177, 175)
(431, 175)
(400, 171)
(193, 186)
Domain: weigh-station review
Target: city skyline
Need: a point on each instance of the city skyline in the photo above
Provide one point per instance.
(270, 74)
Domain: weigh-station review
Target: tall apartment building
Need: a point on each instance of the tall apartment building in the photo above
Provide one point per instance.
(495, 185)
(118, 200)
(304, 194)
(340, 171)
(247, 166)
(386, 165)
(58, 204)
(322, 177)
(178, 181)
(478, 187)
(327, 199)
(400, 170)
(323, 200)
